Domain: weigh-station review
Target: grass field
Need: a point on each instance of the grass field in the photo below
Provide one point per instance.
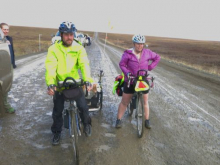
(201, 55)
(26, 39)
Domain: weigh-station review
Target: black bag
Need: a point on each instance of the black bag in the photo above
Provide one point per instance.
(72, 93)
(95, 100)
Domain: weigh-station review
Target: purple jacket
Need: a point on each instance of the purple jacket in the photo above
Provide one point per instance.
(130, 63)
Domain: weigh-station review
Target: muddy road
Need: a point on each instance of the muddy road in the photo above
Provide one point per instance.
(184, 113)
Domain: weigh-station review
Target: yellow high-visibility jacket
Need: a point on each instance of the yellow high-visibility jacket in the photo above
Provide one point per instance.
(62, 62)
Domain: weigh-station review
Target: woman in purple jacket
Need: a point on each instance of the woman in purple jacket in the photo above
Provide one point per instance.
(133, 60)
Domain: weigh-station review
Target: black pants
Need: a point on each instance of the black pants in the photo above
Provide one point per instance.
(58, 109)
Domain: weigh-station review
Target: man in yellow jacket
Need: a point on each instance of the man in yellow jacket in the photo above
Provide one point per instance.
(63, 60)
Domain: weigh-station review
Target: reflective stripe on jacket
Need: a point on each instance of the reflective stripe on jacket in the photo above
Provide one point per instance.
(62, 62)
(130, 63)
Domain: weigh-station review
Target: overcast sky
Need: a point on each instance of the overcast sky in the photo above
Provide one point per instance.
(189, 19)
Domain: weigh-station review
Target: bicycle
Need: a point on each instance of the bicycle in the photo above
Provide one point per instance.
(137, 101)
(72, 120)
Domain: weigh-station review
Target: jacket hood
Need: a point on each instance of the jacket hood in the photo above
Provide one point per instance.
(129, 51)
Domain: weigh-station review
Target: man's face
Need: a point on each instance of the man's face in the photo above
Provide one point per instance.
(67, 39)
(138, 47)
(5, 30)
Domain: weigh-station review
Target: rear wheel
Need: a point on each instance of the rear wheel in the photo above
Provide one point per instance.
(74, 136)
(130, 109)
(140, 114)
(101, 99)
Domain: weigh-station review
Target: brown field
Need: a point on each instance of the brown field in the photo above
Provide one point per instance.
(26, 39)
(201, 55)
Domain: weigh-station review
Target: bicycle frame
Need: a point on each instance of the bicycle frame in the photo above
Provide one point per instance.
(139, 103)
(74, 118)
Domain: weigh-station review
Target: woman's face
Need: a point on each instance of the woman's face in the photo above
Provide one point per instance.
(138, 47)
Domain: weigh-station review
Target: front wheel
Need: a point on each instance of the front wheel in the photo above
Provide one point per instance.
(74, 136)
(140, 114)
(100, 100)
(131, 105)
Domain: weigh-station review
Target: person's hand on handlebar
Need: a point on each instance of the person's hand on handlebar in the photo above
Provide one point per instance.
(128, 74)
(89, 85)
(51, 90)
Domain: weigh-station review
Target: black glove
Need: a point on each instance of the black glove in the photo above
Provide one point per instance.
(88, 84)
(52, 86)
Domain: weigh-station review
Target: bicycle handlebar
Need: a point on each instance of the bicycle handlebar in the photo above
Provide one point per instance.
(129, 80)
(70, 82)
(138, 74)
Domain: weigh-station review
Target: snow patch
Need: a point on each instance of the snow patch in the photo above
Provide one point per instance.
(194, 119)
(49, 113)
(102, 147)
(110, 135)
(105, 125)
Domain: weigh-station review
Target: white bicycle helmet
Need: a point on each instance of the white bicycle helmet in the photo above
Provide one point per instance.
(138, 39)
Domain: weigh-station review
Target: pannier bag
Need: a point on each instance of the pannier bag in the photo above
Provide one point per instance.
(118, 85)
(93, 96)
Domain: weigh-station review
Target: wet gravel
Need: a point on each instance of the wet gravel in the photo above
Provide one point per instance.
(184, 113)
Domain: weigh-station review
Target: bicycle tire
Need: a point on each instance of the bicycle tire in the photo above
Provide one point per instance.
(79, 126)
(140, 115)
(101, 99)
(74, 136)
